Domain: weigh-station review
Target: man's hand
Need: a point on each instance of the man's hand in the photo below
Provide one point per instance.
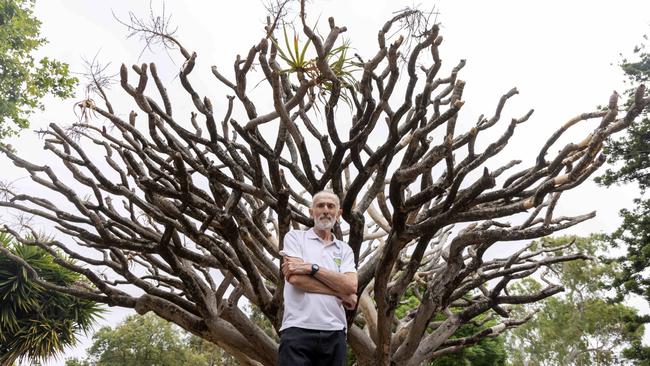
(295, 266)
(349, 301)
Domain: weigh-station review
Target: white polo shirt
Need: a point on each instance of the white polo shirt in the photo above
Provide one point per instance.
(309, 310)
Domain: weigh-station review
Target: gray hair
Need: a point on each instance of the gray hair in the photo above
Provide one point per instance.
(326, 193)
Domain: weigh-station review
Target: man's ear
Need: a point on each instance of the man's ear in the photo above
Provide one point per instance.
(339, 213)
(311, 212)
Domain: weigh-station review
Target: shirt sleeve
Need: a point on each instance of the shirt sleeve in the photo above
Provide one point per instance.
(292, 246)
(348, 261)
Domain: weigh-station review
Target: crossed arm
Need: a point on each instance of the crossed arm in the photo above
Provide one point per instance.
(342, 285)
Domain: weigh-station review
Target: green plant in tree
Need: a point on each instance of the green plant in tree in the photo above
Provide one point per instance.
(38, 323)
(24, 81)
(295, 56)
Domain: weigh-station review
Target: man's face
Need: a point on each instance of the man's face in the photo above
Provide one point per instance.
(325, 212)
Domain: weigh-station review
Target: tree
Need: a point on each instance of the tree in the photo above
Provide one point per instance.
(581, 327)
(38, 323)
(630, 156)
(23, 80)
(186, 219)
(149, 340)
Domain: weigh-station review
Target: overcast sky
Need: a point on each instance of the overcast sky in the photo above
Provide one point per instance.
(561, 55)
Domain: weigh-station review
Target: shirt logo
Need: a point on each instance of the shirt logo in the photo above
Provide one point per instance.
(337, 260)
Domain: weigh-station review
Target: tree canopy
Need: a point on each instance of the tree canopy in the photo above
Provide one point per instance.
(185, 214)
(24, 81)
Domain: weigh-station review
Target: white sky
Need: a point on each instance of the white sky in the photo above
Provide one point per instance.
(561, 55)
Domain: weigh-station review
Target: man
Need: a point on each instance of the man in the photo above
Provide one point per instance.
(320, 280)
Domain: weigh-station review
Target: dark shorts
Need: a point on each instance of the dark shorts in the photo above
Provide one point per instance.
(307, 347)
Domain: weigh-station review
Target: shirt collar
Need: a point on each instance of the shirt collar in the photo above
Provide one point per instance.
(311, 234)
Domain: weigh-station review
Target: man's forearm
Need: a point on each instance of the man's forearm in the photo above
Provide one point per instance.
(341, 283)
(310, 284)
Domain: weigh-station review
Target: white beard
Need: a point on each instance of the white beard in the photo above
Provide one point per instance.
(324, 223)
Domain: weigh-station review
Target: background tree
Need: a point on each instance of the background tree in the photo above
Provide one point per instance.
(38, 323)
(150, 340)
(186, 213)
(579, 327)
(24, 81)
(630, 159)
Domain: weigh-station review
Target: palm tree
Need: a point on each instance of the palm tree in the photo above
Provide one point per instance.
(38, 323)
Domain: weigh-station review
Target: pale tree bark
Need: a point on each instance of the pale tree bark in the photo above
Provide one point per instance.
(185, 215)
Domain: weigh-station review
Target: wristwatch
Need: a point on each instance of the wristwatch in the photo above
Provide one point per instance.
(314, 269)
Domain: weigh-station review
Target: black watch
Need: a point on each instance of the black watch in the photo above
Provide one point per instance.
(314, 269)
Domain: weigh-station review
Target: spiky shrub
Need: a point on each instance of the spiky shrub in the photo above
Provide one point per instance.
(37, 322)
